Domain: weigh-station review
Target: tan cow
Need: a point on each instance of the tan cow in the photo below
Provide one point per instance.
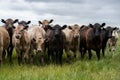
(4, 41)
(37, 36)
(21, 41)
(72, 39)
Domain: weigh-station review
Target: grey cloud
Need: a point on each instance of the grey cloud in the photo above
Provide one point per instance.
(65, 11)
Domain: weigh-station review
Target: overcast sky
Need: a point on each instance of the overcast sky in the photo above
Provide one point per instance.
(63, 11)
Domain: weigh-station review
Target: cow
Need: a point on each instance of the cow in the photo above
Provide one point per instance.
(72, 41)
(45, 23)
(4, 42)
(9, 25)
(112, 42)
(90, 38)
(105, 36)
(21, 41)
(56, 43)
(37, 36)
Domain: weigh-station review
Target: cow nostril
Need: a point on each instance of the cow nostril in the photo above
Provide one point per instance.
(39, 50)
(17, 37)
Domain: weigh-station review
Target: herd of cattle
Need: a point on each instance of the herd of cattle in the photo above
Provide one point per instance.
(29, 41)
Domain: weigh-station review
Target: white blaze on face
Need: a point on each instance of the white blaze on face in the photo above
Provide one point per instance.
(115, 34)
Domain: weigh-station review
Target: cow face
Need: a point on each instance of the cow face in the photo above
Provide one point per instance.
(45, 23)
(9, 23)
(109, 31)
(38, 42)
(75, 30)
(19, 30)
(97, 28)
(57, 30)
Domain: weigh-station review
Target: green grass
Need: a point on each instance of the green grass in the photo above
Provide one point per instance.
(108, 68)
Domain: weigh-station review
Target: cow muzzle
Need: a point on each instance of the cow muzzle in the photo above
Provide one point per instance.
(17, 37)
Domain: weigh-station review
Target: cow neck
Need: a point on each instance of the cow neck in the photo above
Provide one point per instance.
(22, 39)
(10, 32)
(75, 41)
(106, 38)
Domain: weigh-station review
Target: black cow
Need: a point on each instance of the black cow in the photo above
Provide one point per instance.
(55, 43)
(9, 25)
(105, 35)
(90, 38)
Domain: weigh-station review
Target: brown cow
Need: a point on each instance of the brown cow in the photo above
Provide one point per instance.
(37, 36)
(4, 41)
(21, 40)
(90, 39)
(9, 25)
(72, 39)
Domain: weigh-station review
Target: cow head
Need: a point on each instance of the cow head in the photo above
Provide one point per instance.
(9, 24)
(19, 30)
(38, 42)
(45, 23)
(24, 23)
(75, 30)
(57, 29)
(109, 30)
(97, 28)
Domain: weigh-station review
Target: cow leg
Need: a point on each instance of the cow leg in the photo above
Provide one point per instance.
(57, 57)
(31, 54)
(68, 55)
(1, 49)
(60, 57)
(90, 54)
(10, 54)
(75, 55)
(49, 55)
(19, 58)
(41, 58)
(3, 55)
(26, 57)
(103, 51)
(98, 54)
(83, 54)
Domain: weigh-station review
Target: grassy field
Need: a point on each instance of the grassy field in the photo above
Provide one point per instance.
(108, 68)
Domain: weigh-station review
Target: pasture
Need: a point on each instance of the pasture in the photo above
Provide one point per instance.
(108, 68)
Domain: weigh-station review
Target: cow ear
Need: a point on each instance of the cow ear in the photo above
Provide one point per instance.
(104, 29)
(63, 27)
(2, 20)
(103, 24)
(70, 27)
(51, 21)
(82, 26)
(39, 22)
(34, 39)
(115, 28)
(28, 22)
(15, 21)
(49, 27)
(91, 25)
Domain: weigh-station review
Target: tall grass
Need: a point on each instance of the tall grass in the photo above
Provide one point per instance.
(108, 68)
